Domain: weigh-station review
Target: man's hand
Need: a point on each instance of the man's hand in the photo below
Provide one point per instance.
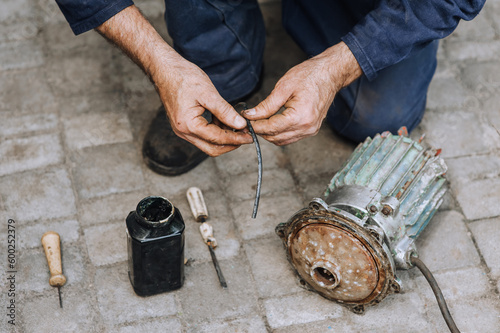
(185, 90)
(306, 91)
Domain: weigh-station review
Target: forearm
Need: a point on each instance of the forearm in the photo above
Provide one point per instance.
(342, 65)
(132, 33)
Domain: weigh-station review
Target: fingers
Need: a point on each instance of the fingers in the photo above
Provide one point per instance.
(222, 110)
(216, 135)
(268, 107)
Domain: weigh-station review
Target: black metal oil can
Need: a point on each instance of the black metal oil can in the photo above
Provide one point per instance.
(155, 237)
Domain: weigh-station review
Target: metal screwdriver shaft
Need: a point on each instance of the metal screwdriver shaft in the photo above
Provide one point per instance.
(200, 213)
(222, 280)
(52, 246)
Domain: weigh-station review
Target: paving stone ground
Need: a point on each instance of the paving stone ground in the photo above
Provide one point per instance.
(73, 111)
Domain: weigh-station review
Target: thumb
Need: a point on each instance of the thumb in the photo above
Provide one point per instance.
(223, 111)
(269, 106)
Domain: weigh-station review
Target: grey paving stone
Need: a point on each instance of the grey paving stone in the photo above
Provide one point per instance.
(151, 326)
(119, 304)
(479, 315)
(475, 181)
(104, 170)
(332, 325)
(483, 78)
(396, 313)
(60, 40)
(221, 220)
(446, 93)
(110, 208)
(30, 236)
(272, 210)
(481, 28)
(479, 199)
(26, 91)
(14, 123)
(487, 233)
(445, 243)
(34, 274)
(18, 30)
(472, 50)
(323, 153)
(37, 195)
(49, 12)
(30, 153)
(93, 69)
(446, 130)
(203, 299)
(97, 103)
(16, 9)
(204, 176)
(314, 185)
(95, 129)
(107, 244)
(242, 187)
(16, 325)
(150, 8)
(43, 314)
(244, 325)
(463, 170)
(20, 55)
(301, 308)
(273, 274)
(458, 286)
(244, 159)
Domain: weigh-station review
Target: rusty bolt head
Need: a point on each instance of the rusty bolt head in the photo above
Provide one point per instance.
(387, 210)
(373, 209)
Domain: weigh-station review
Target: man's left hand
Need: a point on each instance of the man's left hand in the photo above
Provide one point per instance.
(306, 92)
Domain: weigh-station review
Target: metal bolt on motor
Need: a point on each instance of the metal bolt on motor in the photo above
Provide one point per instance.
(348, 245)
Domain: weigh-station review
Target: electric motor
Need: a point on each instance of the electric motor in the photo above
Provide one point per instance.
(347, 245)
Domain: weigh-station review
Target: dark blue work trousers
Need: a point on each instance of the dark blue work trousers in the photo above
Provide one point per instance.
(226, 39)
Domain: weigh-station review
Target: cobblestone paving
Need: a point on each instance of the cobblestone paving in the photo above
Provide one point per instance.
(73, 112)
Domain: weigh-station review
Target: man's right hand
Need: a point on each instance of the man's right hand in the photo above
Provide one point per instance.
(185, 90)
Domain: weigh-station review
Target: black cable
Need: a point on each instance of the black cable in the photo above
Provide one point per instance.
(239, 108)
(437, 292)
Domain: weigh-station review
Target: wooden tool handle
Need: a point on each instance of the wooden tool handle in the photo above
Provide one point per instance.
(52, 245)
(197, 204)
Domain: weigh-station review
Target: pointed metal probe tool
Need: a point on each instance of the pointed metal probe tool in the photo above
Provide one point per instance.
(52, 246)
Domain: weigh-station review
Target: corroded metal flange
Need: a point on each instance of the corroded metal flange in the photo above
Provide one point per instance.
(336, 257)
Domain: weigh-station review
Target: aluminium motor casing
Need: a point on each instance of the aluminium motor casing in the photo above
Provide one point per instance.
(348, 245)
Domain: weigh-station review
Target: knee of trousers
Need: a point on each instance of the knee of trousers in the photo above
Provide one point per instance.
(359, 124)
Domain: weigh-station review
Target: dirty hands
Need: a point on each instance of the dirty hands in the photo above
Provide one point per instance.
(306, 91)
(186, 92)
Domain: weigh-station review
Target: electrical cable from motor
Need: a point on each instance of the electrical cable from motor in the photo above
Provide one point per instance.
(437, 292)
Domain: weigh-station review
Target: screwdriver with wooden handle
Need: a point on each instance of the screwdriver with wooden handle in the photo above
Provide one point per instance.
(52, 246)
(200, 213)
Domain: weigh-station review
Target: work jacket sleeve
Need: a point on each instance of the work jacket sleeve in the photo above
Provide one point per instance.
(84, 15)
(397, 28)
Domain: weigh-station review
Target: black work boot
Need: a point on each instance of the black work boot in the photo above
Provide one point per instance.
(166, 153)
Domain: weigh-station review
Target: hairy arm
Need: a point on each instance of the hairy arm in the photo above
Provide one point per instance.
(185, 90)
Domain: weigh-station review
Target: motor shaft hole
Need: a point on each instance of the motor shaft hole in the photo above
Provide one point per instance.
(325, 278)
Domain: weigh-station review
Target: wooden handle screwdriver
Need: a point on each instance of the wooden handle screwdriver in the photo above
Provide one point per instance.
(200, 213)
(52, 246)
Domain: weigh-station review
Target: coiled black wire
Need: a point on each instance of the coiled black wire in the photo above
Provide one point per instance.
(437, 292)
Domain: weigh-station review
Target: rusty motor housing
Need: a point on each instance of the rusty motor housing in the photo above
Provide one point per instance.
(348, 245)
